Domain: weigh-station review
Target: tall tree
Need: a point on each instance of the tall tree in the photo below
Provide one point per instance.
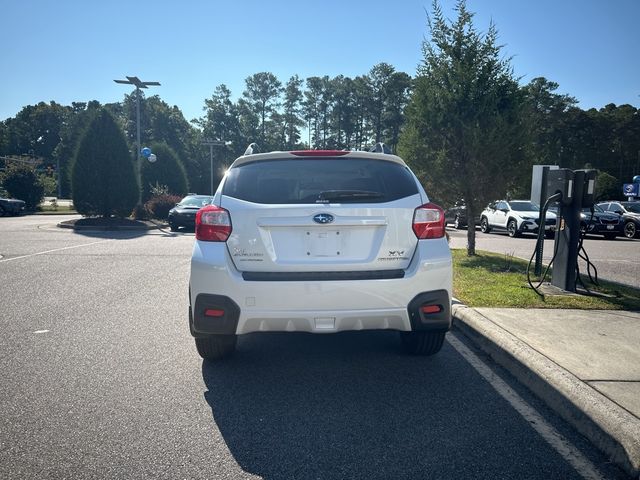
(317, 107)
(465, 115)
(292, 112)
(35, 130)
(379, 78)
(263, 93)
(397, 96)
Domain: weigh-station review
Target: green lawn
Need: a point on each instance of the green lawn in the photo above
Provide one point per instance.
(493, 280)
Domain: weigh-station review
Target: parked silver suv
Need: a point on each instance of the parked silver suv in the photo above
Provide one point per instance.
(320, 241)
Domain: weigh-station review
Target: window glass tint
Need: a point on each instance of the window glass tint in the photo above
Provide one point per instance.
(596, 208)
(632, 207)
(321, 180)
(199, 201)
(524, 206)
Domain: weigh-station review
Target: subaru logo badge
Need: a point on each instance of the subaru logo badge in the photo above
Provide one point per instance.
(323, 218)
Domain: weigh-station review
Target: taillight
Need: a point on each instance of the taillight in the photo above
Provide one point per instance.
(428, 221)
(213, 224)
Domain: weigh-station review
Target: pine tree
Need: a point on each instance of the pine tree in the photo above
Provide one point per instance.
(465, 132)
(103, 175)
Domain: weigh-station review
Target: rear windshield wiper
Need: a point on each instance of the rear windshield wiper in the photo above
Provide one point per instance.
(328, 195)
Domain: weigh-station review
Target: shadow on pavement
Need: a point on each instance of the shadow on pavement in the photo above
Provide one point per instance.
(351, 405)
(129, 234)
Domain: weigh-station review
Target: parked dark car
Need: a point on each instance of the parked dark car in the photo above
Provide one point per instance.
(184, 213)
(11, 206)
(604, 223)
(630, 212)
(457, 216)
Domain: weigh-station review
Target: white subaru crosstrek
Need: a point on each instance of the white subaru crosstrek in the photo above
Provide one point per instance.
(320, 241)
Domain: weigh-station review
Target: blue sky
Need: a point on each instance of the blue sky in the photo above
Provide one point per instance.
(72, 50)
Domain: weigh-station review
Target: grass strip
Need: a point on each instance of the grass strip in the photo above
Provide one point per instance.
(494, 280)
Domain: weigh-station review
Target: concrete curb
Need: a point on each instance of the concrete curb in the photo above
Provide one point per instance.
(608, 426)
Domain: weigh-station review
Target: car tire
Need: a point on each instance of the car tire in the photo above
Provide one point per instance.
(484, 225)
(216, 347)
(422, 343)
(173, 228)
(549, 234)
(512, 228)
(610, 236)
(456, 223)
(630, 229)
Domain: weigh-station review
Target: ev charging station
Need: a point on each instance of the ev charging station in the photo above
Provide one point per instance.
(572, 190)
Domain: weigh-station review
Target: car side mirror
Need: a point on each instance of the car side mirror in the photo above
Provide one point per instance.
(505, 210)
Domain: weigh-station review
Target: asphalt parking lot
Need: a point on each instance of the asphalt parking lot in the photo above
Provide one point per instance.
(100, 379)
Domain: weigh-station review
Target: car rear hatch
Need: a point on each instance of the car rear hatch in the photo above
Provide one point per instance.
(338, 217)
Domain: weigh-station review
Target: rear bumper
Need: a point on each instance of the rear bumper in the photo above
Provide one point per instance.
(182, 221)
(320, 306)
(531, 226)
(601, 229)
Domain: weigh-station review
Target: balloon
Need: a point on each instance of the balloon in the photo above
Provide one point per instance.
(146, 151)
(152, 157)
(636, 179)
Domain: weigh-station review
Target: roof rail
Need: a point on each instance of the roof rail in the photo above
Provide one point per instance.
(380, 148)
(251, 149)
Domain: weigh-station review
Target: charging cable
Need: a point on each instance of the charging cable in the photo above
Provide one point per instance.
(582, 253)
(541, 229)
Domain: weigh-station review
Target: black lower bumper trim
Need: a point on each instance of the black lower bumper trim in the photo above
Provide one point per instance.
(226, 324)
(440, 321)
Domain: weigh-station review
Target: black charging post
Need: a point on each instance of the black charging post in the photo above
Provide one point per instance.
(577, 188)
(539, 195)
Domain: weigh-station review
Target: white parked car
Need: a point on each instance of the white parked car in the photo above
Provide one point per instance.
(320, 241)
(515, 217)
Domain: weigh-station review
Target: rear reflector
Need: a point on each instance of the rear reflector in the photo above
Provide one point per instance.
(212, 312)
(213, 224)
(431, 309)
(428, 221)
(319, 153)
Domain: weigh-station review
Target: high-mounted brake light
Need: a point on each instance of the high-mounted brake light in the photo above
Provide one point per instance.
(213, 224)
(428, 221)
(319, 153)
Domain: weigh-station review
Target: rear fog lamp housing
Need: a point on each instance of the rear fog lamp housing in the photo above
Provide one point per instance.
(427, 309)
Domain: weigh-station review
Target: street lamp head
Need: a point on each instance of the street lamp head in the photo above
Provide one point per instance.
(135, 81)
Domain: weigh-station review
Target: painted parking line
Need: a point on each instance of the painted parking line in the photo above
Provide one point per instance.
(52, 251)
(559, 443)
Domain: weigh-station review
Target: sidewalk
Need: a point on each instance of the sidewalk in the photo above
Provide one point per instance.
(584, 364)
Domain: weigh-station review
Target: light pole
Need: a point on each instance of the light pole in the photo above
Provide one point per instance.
(211, 144)
(135, 81)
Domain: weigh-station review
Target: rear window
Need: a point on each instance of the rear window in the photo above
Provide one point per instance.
(524, 206)
(321, 180)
